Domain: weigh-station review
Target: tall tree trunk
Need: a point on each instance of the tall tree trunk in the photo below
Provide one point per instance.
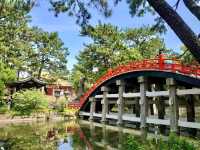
(177, 24)
(41, 67)
(193, 7)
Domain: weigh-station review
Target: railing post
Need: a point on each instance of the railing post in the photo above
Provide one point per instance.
(173, 103)
(143, 105)
(104, 103)
(92, 108)
(173, 64)
(161, 61)
(120, 101)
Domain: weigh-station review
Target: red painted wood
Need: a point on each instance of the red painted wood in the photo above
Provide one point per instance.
(50, 91)
(157, 64)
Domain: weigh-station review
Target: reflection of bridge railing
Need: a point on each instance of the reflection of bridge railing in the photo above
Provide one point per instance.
(157, 64)
(74, 105)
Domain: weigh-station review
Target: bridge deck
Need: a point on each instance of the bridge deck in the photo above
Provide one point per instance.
(150, 120)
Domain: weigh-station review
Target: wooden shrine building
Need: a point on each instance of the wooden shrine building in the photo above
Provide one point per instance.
(26, 83)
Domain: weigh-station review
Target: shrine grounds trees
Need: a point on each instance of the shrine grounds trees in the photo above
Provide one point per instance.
(29, 49)
(81, 10)
(6, 74)
(112, 46)
(47, 53)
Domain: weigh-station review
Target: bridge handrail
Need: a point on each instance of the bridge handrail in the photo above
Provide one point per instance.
(160, 63)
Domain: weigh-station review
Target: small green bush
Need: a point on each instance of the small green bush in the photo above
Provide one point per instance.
(2, 103)
(60, 104)
(176, 143)
(3, 109)
(173, 143)
(29, 101)
(132, 144)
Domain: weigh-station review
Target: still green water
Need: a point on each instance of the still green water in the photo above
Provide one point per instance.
(63, 136)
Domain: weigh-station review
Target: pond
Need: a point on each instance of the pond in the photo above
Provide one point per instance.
(70, 135)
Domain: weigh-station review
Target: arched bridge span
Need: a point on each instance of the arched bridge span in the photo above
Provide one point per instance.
(154, 87)
(182, 79)
(159, 67)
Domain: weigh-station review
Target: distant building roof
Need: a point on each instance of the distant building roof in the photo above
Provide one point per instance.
(27, 83)
(62, 82)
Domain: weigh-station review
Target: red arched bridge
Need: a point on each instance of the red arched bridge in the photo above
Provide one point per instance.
(154, 91)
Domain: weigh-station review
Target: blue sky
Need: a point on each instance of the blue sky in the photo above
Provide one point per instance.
(69, 31)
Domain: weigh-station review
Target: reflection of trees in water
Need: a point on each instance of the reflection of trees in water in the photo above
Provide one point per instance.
(41, 136)
(31, 136)
(77, 142)
(44, 136)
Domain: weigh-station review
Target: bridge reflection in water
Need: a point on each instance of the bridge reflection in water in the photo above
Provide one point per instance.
(102, 136)
(80, 135)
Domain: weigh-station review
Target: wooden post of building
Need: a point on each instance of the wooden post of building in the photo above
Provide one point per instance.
(173, 103)
(190, 106)
(92, 108)
(120, 101)
(104, 103)
(143, 105)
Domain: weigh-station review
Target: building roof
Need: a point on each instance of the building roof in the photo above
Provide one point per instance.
(62, 82)
(29, 82)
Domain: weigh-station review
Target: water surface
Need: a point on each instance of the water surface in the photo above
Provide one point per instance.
(69, 135)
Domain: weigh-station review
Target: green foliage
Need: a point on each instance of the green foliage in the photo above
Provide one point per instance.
(175, 143)
(187, 57)
(19, 4)
(29, 49)
(6, 75)
(32, 136)
(14, 33)
(48, 54)
(81, 9)
(3, 109)
(111, 47)
(29, 101)
(131, 144)
(61, 104)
